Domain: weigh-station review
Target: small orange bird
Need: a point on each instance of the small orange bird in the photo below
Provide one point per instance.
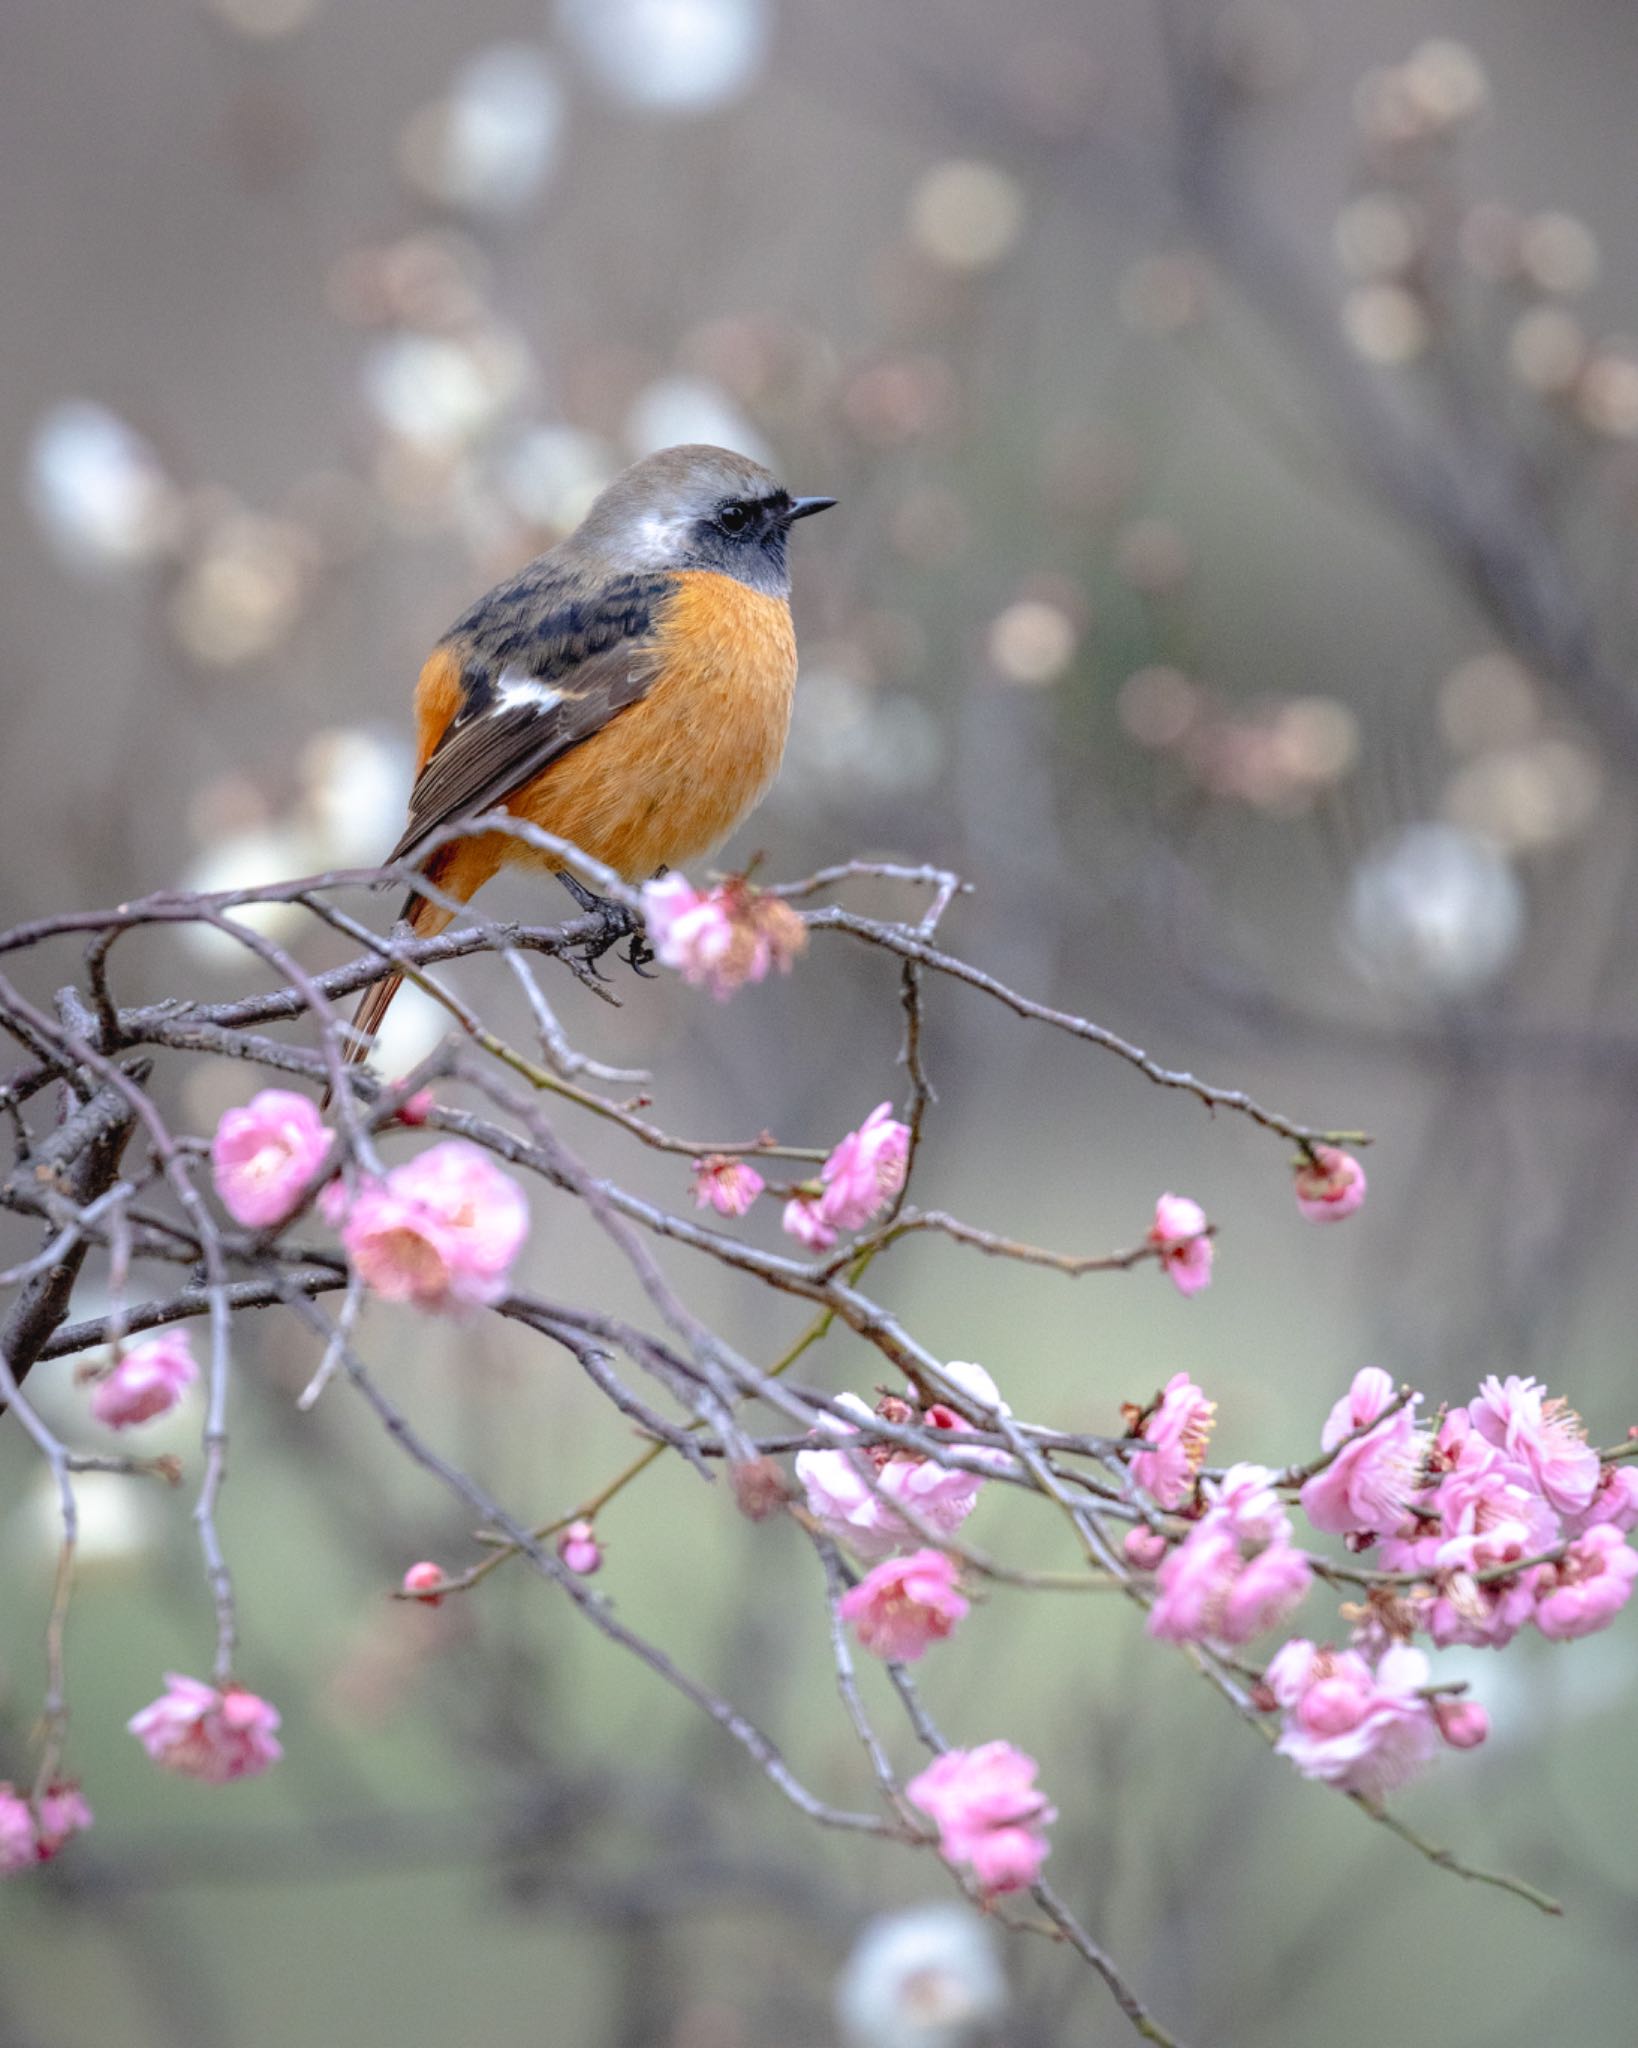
(629, 690)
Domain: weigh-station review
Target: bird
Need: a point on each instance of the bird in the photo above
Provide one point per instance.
(630, 690)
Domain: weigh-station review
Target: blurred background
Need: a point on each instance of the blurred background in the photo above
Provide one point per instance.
(1237, 441)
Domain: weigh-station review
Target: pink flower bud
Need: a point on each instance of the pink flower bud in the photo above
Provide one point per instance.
(148, 1381)
(1144, 1549)
(1179, 1234)
(415, 1109)
(579, 1549)
(33, 1834)
(1329, 1186)
(421, 1578)
(804, 1220)
(266, 1154)
(1463, 1723)
(760, 1487)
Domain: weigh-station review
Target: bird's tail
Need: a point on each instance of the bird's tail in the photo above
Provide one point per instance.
(425, 919)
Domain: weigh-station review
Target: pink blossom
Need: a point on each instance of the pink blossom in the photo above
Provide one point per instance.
(1588, 1586)
(905, 1604)
(1371, 1481)
(1540, 1432)
(421, 1578)
(1208, 1589)
(842, 1501)
(17, 1839)
(865, 1171)
(988, 1813)
(1490, 1517)
(28, 1837)
(148, 1380)
(1144, 1549)
(723, 937)
(1329, 1186)
(579, 1549)
(1179, 1428)
(1464, 1724)
(1614, 1503)
(440, 1231)
(200, 1732)
(805, 1221)
(1245, 1501)
(1361, 1730)
(729, 1186)
(1179, 1234)
(266, 1155)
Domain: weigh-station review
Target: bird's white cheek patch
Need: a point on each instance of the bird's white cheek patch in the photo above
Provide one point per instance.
(513, 691)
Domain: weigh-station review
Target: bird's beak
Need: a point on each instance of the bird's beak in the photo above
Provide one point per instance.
(804, 508)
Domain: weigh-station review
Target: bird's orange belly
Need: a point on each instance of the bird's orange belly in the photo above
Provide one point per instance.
(669, 778)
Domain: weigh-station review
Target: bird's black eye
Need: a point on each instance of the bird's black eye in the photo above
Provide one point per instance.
(733, 519)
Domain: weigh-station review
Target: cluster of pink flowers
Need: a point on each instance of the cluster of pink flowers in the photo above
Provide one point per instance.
(988, 1812)
(905, 1604)
(1179, 1234)
(440, 1231)
(1507, 1512)
(842, 1499)
(146, 1381)
(1359, 1729)
(200, 1731)
(724, 937)
(266, 1155)
(857, 1182)
(31, 1834)
(1329, 1186)
(1236, 1573)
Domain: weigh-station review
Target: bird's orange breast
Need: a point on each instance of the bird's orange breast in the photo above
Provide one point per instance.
(667, 779)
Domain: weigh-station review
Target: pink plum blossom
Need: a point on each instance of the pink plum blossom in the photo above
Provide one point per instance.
(721, 938)
(1329, 1186)
(1464, 1724)
(580, 1550)
(804, 1219)
(1614, 1503)
(266, 1155)
(1587, 1587)
(1244, 1500)
(1179, 1234)
(420, 1580)
(729, 1186)
(1538, 1431)
(148, 1381)
(200, 1732)
(865, 1171)
(1179, 1428)
(29, 1836)
(988, 1813)
(1361, 1730)
(1211, 1589)
(902, 1606)
(1369, 1484)
(842, 1501)
(441, 1231)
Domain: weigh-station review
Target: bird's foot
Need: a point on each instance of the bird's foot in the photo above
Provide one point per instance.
(618, 923)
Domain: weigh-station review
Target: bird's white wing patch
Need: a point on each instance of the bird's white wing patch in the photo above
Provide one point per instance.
(513, 690)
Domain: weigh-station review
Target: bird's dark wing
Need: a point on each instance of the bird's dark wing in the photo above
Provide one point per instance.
(543, 668)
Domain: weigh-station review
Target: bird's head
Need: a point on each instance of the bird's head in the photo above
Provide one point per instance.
(696, 507)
